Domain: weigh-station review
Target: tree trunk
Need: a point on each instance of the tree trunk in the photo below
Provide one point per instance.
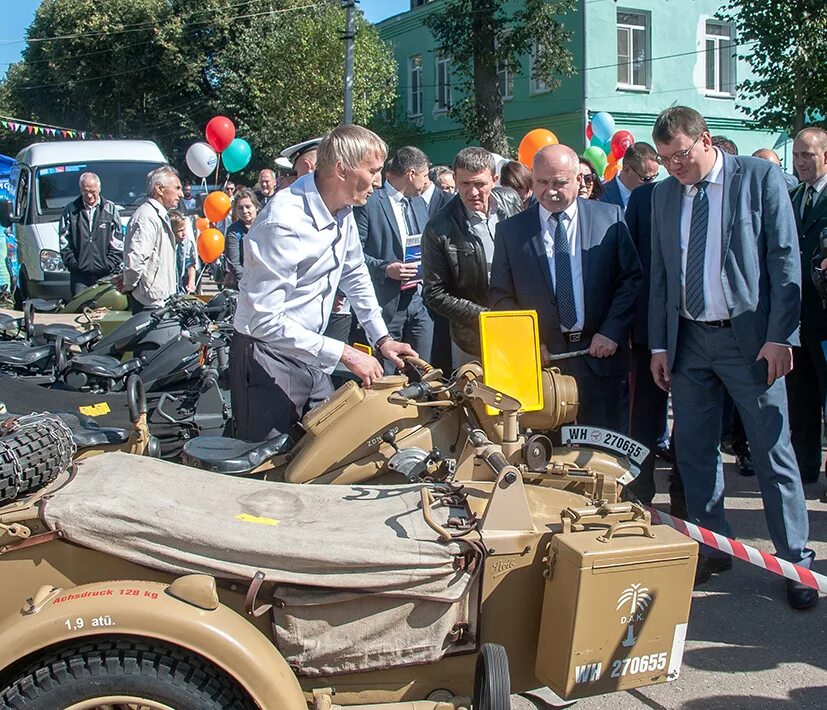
(490, 126)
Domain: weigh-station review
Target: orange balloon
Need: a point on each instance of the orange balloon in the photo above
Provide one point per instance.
(611, 171)
(217, 206)
(210, 245)
(611, 159)
(201, 223)
(532, 142)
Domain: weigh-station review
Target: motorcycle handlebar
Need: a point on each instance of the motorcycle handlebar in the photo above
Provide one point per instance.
(135, 397)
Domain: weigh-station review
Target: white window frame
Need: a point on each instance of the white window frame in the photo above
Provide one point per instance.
(535, 86)
(442, 82)
(722, 48)
(632, 35)
(415, 85)
(505, 78)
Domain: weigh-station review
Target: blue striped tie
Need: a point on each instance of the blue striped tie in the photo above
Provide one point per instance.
(563, 282)
(696, 251)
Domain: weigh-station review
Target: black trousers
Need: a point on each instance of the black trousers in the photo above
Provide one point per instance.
(270, 392)
(806, 390)
(78, 281)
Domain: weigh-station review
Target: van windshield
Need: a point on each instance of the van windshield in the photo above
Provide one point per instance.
(122, 182)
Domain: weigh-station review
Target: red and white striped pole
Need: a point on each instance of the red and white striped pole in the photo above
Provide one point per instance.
(756, 557)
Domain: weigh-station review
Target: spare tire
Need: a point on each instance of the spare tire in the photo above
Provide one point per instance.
(34, 450)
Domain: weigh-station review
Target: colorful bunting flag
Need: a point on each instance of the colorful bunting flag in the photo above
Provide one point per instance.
(38, 129)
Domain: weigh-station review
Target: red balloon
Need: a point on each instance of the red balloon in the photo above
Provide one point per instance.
(220, 133)
(621, 140)
(589, 131)
(210, 245)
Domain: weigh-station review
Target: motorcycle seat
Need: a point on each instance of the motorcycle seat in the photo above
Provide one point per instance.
(103, 366)
(43, 305)
(70, 335)
(23, 355)
(232, 456)
(9, 323)
(86, 432)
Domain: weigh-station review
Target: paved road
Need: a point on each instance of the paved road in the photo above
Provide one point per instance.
(746, 649)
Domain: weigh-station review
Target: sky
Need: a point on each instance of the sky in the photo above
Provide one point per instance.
(18, 15)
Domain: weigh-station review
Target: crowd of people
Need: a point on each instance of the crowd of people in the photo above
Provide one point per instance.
(696, 286)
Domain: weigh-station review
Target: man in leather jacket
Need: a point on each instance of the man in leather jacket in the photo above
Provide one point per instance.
(458, 245)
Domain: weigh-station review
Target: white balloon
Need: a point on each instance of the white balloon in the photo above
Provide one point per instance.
(201, 159)
(499, 162)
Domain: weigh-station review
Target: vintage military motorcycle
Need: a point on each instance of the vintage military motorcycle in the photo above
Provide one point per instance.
(489, 561)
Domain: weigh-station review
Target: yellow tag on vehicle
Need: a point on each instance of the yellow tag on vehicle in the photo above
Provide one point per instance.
(247, 518)
(95, 410)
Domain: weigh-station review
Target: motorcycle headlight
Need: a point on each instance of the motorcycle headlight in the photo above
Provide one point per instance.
(50, 261)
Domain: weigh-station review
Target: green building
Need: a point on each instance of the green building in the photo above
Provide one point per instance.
(634, 58)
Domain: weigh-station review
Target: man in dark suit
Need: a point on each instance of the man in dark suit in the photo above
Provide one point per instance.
(723, 313)
(392, 215)
(639, 168)
(572, 261)
(434, 198)
(807, 383)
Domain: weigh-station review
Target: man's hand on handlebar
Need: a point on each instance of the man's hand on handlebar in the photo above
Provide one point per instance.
(601, 346)
(394, 351)
(364, 366)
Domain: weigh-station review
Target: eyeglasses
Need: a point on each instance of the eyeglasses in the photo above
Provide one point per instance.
(589, 178)
(646, 178)
(678, 157)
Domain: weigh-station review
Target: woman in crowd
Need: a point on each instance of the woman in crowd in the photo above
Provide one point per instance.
(245, 209)
(518, 177)
(590, 187)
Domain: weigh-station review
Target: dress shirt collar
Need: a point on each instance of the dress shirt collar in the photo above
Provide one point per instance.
(428, 194)
(159, 208)
(570, 212)
(715, 176)
(322, 218)
(625, 192)
(819, 185)
(393, 193)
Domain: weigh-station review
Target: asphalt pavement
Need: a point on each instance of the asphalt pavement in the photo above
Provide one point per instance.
(746, 649)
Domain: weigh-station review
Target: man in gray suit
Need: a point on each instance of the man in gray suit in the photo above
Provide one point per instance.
(724, 307)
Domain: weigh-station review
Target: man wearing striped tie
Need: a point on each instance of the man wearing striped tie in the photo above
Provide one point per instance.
(723, 313)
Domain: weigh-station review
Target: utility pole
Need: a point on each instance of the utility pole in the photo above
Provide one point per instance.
(347, 36)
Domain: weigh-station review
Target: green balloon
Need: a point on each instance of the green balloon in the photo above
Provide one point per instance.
(236, 155)
(596, 157)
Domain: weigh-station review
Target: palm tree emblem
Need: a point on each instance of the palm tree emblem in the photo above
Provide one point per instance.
(637, 597)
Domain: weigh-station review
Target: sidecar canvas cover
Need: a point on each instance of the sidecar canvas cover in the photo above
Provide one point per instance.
(357, 579)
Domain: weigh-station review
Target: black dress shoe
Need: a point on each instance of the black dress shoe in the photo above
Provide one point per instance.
(707, 566)
(799, 596)
(745, 465)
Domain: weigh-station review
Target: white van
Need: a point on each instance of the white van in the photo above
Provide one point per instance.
(44, 180)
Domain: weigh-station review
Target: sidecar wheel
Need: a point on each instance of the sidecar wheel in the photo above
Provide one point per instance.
(492, 681)
(117, 674)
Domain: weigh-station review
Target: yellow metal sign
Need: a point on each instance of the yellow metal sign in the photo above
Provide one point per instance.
(95, 410)
(511, 356)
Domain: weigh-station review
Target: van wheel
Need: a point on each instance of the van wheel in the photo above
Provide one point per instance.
(21, 293)
(116, 674)
(492, 680)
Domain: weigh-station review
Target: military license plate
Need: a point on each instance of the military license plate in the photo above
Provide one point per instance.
(606, 440)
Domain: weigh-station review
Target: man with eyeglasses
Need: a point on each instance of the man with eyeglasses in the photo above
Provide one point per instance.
(723, 314)
(639, 168)
(572, 261)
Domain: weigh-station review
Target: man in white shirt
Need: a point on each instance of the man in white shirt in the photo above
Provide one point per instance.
(723, 314)
(301, 248)
(807, 383)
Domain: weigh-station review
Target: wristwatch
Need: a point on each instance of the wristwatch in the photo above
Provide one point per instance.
(379, 343)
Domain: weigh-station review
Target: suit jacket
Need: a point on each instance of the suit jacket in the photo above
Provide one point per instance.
(521, 278)
(813, 315)
(638, 218)
(382, 244)
(439, 199)
(611, 193)
(760, 267)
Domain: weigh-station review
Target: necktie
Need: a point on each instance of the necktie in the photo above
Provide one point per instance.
(563, 283)
(809, 200)
(696, 251)
(410, 217)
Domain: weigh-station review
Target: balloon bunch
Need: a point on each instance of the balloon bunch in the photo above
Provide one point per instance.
(202, 158)
(210, 241)
(607, 146)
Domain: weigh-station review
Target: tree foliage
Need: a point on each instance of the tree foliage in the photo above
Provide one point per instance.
(480, 36)
(160, 69)
(785, 42)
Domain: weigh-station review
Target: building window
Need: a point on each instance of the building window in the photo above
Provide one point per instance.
(535, 85)
(720, 59)
(415, 85)
(506, 79)
(632, 50)
(443, 83)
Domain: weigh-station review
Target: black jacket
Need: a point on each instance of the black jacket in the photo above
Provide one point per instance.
(234, 253)
(455, 272)
(96, 249)
(813, 315)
